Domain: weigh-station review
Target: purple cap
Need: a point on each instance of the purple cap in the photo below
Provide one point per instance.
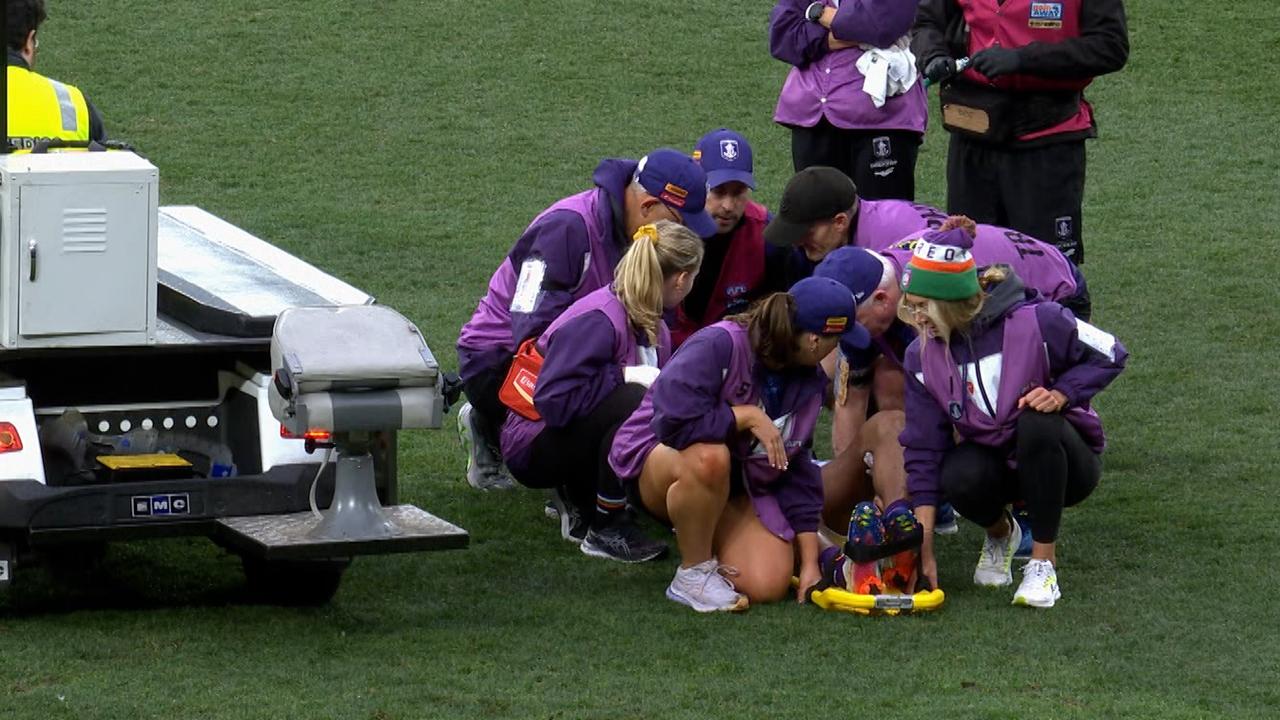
(826, 307)
(725, 157)
(856, 268)
(678, 181)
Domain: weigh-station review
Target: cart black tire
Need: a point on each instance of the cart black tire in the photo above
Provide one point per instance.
(296, 583)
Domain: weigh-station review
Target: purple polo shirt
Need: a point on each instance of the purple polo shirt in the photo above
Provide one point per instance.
(827, 84)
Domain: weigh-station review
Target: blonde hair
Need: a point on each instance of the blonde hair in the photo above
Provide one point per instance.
(950, 316)
(657, 252)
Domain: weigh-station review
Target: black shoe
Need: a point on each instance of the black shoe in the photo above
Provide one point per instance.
(623, 541)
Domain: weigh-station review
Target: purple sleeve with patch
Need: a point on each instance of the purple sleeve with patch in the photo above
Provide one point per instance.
(878, 23)
(687, 408)
(1082, 358)
(925, 439)
(793, 39)
(578, 370)
(559, 240)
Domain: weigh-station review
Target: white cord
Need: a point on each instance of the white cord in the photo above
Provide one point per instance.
(316, 510)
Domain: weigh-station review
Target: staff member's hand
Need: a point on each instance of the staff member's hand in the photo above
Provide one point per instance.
(939, 69)
(754, 420)
(996, 61)
(1045, 401)
(809, 576)
(926, 575)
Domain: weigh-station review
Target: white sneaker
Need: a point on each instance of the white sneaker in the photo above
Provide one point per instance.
(1039, 586)
(484, 467)
(996, 561)
(704, 588)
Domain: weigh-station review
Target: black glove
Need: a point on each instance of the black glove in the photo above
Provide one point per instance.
(939, 69)
(996, 61)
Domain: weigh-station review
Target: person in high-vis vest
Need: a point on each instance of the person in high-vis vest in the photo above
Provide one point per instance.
(41, 108)
(1017, 114)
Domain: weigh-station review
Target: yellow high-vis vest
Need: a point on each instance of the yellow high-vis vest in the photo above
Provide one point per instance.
(42, 108)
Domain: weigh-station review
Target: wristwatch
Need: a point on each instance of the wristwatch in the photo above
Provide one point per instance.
(813, 13)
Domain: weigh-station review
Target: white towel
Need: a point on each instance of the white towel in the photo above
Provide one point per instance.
(887, 71)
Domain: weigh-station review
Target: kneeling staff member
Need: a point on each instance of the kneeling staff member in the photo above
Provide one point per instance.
(599, 356)
(721, 447)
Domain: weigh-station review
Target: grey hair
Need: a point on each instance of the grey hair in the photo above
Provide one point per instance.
(888, 276)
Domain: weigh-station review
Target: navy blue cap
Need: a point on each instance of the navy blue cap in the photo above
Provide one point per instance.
(725, 157)
(856, 268)
(674, 178)
(826, 307)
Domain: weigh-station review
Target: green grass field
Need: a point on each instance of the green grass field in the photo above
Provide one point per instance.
(403, 145)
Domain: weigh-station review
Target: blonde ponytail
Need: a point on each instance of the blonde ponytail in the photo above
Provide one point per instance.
(657, 252)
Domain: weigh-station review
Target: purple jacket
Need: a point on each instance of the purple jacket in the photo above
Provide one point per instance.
(880, 223)
(578, 241)
(1040, 266)
(1018, 344)
(826, 83)
(877, 223)
(692, 401)
(584, 351)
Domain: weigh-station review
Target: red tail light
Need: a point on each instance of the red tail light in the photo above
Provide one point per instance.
(10, 440)
(317, 435)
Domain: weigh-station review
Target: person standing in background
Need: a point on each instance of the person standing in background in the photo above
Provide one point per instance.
(851, 99)
(1017, 114)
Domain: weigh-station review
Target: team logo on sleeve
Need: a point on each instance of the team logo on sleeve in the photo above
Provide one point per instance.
(729, 150)
(1046, 15)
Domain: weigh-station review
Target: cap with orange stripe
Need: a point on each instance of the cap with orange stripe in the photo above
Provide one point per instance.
(942, 267)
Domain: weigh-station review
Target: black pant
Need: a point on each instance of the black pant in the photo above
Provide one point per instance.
(576, 456)
(1038, 191)
(487, 411)
(882, 163)
(1055, 470)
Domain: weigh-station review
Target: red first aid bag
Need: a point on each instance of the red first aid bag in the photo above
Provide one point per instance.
(517, 390)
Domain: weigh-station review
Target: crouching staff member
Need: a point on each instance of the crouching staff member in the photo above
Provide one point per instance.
(599, 356)
(734, 268)
(567, 251)
(1013, 379)
(720, 447)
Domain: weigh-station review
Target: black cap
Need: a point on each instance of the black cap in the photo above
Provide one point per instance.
(813, 194)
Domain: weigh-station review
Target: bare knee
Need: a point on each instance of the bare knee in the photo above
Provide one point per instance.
(884, 426)
(765, 578)
(706, 464)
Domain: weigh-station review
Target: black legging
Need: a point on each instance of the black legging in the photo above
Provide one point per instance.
(577, 455)
(1055, 470)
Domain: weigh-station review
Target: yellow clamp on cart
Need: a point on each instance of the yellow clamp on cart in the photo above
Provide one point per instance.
(829, 597)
